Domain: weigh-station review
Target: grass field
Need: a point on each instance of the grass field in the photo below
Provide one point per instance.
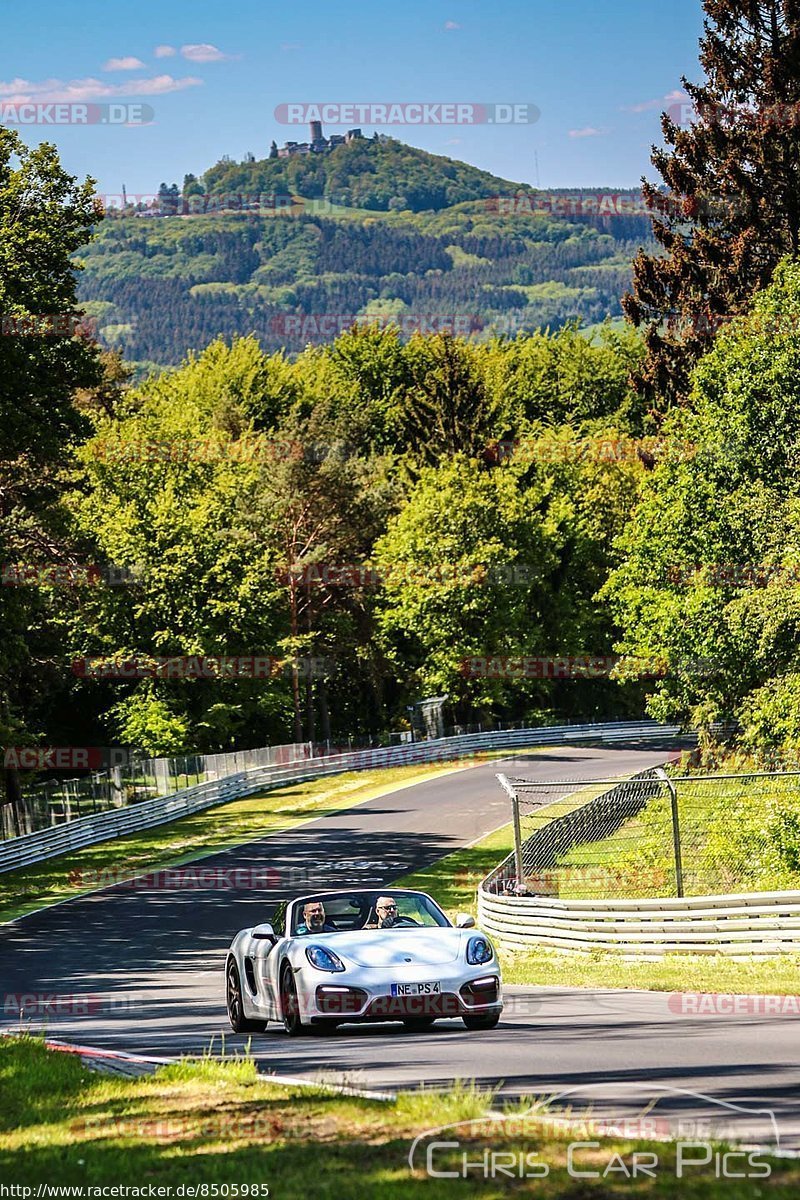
(218, 1125)
(737, 835)
(454, 880)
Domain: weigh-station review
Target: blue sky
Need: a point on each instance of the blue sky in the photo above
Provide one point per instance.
(600, 74)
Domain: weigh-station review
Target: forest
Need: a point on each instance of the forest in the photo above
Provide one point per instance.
(489, 256)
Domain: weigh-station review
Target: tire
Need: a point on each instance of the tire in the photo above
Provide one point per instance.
(485, 1021)
(290, 1007)
(418, 1024)
(234, 1003)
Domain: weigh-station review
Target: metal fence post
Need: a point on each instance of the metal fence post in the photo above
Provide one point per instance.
(519, 866)
(676, 828)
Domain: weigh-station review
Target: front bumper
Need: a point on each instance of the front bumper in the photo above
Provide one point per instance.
(480, 995)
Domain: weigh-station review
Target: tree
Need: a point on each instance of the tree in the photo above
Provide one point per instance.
(321, 507)
(497, 564)
(45, 355)
(709, 580)
(449, 409)
(106, 396)
(171, 475)
(565, 378)
(731, 210)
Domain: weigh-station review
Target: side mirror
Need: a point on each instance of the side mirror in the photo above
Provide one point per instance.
(263, 931)
(465, 921)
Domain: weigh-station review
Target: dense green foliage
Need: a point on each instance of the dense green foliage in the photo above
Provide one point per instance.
(376, 174)
(45, 215)
(390, 515)
(711, 569)
(257, 506)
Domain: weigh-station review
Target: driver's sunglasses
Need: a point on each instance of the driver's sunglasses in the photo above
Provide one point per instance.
(387, 908)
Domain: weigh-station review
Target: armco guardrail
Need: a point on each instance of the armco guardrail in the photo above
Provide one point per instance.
(86, 831)
(44, 805)
(759, 923)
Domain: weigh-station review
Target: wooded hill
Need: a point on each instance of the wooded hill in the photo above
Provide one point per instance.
(293, 250)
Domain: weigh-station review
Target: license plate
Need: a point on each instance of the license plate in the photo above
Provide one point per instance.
(416, 989)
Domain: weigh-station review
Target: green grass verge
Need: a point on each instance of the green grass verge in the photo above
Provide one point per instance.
(775, 976)
(196, 836)
(453, 882)
(221, 1123)
(738, 835)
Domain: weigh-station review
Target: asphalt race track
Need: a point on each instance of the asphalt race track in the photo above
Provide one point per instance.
(140, 968)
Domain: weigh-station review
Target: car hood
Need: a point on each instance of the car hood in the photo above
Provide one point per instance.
(394, 947)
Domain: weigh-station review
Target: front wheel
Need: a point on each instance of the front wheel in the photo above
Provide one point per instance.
(235, 1003)
(290, 1005)
(484, 1021)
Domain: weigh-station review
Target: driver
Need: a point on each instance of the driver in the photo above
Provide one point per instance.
(314, 919)
(386, 909)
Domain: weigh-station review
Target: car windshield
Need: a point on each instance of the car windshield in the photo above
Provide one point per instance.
(344, 911)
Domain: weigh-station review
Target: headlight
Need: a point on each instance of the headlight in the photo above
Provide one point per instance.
(323, 959)
(479, 950)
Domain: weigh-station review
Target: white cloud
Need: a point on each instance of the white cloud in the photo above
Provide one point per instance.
(51, 91)
(587, 131)
(159, 85)
(676, 97)
(203, 52)
(128, 63)
(165, 51)
(291, 46)
(451, 25)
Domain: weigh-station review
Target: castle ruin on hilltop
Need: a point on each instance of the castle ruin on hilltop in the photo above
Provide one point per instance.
(318, 144)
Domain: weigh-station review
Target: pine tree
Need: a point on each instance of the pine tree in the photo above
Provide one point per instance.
(731, 208)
